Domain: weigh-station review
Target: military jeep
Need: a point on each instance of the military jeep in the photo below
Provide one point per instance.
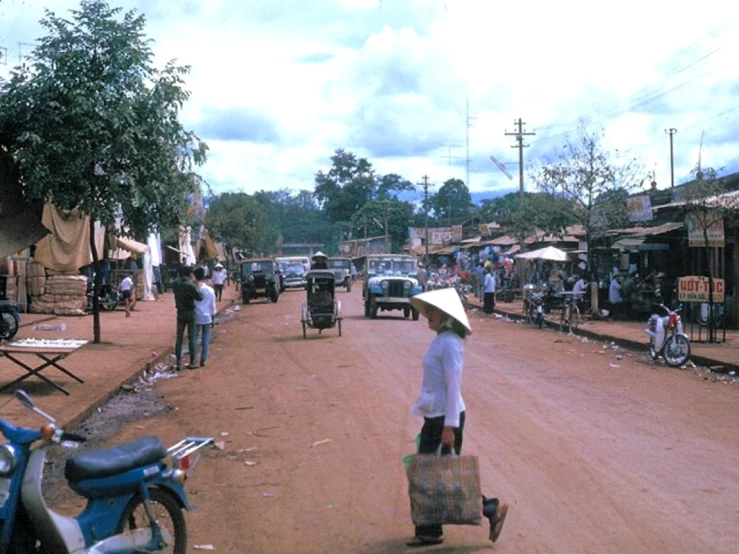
(260, 278)
(342, 270)
(390, 282)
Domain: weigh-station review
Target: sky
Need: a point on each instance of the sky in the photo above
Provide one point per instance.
(431, 87)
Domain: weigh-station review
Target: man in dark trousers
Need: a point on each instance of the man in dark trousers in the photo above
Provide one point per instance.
(186, 293)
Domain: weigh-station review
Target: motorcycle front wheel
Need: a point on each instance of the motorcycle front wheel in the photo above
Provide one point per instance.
(167, 511)
(676, 351)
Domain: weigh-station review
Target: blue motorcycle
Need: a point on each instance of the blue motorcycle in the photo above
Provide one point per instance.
(134, 492)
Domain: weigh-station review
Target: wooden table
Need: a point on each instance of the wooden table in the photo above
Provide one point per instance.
(50, 352)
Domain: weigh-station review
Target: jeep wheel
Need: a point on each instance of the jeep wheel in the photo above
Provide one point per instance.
(244, 298)
(373, 309)
(304, 328)
(338, 322)
(415, 314)
(274, 297)
(406, 312)
(366, 308)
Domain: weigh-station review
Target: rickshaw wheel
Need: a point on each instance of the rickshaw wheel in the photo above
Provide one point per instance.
(304, 329)
(338, 322)
(415, 313)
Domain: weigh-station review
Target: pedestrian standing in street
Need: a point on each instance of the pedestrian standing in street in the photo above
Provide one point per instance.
(186, 293)
(440, 402)
(205, 313)
(126, 288)
(489, 291)
(422, 276)
(219, 277)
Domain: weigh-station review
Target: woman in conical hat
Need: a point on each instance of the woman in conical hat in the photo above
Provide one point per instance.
(440, 403)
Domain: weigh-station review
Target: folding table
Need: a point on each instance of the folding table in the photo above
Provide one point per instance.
(51, 352)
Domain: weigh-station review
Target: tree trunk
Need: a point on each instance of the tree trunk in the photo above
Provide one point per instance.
(96, 285)
(711, 322)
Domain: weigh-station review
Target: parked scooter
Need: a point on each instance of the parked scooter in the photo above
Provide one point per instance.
(667, 338)
(109, 297)
(134, 495)
(534, 306)
(10, 320)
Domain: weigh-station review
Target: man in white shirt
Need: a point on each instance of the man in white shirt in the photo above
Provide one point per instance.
(488, 301)
(579, 289)
(219, 277)
(205, 312)
(126, 288)
(614, 291)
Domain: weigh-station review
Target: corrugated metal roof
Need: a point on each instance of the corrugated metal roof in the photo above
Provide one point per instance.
(649, 231)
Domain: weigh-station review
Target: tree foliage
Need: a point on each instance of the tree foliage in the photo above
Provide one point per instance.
(94, 126)
(593, 179)
(240, 221)
(389, 216)
(452, 203)
(543, 212)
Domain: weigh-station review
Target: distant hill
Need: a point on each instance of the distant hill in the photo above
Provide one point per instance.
(477, 197)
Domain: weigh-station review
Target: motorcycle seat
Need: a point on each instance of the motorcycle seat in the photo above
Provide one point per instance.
(117, 459)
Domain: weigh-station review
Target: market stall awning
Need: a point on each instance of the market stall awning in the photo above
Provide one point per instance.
(550, 253)
(133, 246)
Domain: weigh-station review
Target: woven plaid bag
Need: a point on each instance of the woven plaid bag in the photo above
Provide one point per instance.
(444, 489)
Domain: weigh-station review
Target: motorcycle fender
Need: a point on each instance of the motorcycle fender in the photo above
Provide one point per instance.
(683, 335)
(175, 490)
(131, 541)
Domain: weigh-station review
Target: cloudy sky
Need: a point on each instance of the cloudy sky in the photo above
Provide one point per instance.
(278, 85)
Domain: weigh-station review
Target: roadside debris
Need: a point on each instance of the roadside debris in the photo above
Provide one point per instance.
(50, 327)
(319, 443)
(614, 365)
(204, 547)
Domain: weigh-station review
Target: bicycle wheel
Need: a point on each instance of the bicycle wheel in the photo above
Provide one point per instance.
(168, 513)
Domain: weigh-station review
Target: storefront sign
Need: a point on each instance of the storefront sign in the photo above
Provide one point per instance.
(695, 289)
(713, 227)
(639, 208)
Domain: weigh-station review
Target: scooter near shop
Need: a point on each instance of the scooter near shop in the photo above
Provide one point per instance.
(10, 320)
(667, 338)
(135, 493)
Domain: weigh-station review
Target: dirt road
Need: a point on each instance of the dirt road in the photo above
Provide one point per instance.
(595, 449)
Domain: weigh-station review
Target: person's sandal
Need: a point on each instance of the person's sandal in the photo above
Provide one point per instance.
(497, 521)
(423, 540)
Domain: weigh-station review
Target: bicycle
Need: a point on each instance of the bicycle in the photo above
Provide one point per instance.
(570, 315)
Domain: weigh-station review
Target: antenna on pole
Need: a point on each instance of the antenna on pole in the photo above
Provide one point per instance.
(502, 167)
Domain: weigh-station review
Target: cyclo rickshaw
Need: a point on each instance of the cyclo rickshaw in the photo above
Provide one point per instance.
(321, 310)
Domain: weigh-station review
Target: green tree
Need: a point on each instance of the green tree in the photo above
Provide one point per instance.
(542, 212)
(596, 181)
(295, 216)
(241, 222)
(390, 216)
(93, 125)
(346, 187)
(452, 203)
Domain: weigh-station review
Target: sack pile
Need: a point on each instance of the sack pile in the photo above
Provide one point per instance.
(60, 294)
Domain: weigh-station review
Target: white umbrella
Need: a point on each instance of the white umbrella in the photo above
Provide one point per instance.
(550, 253)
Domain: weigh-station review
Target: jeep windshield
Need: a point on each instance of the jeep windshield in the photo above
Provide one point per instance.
(392, 266)
(249, 268)
(293, 270)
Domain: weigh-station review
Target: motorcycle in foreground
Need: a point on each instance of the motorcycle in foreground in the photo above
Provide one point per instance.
(10, 320)
(108, 297)
(135, 496)
(667, 338)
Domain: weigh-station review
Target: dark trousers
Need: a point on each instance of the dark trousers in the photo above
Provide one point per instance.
(218, 289)
(430, 441)
(189, 324)
(488, 302)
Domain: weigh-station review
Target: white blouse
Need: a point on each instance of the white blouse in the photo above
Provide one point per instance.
(441, 388)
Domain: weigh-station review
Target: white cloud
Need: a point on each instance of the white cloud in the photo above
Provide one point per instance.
(280, 85)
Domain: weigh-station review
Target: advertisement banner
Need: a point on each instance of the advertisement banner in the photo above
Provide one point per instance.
(714, 230)
(639, 208)
(695, 289)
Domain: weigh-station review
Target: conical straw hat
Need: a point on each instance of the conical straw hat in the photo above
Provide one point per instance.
(447, 300)
(319, 254)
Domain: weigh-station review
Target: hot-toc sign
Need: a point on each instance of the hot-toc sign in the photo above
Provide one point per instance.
(695, 289)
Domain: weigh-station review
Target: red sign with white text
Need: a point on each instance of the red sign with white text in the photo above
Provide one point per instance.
(695, 289)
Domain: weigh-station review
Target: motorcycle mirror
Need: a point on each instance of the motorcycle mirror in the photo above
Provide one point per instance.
(24, 399)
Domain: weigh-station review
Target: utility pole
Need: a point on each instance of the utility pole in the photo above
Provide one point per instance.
(671, 131)
(520, 145)
(426, 186)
